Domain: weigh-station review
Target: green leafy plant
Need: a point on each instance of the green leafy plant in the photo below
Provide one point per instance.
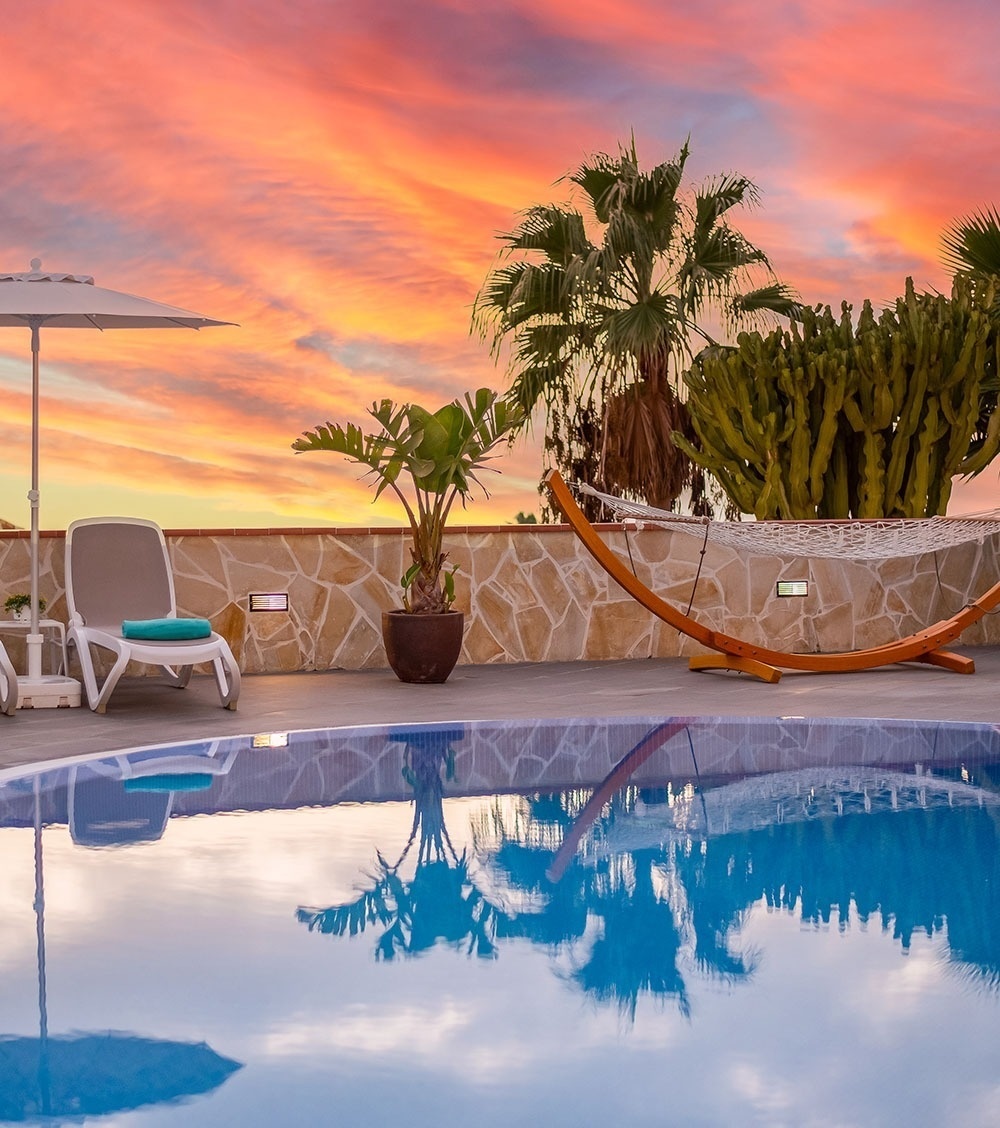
(439, 453)
(15, 603)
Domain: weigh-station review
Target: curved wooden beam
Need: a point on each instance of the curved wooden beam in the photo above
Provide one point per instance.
(614, 781)
(923, 646)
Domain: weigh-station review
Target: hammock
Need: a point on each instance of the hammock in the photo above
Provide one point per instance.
(766, 662)
(883, 539)
(791, 797)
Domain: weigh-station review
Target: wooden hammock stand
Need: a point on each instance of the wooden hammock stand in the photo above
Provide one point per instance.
(760, 661)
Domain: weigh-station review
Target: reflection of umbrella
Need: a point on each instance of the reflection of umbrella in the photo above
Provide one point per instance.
(68, 301)
(96, 1074)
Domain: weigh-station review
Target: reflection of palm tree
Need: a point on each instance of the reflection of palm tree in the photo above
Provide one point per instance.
(638, 951)
(642, 933)
(440, 902)
(635, 901)
(425, 755)
(634, 920)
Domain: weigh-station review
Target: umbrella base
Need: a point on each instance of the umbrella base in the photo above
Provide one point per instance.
(47, 692)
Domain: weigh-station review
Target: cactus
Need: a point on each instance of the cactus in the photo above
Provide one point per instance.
(832, 420)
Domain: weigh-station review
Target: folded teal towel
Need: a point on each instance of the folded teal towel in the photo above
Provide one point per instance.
(166, 630)
(187, 781)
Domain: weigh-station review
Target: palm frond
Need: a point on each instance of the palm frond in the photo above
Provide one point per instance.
(972, 245)
(537, 383)
(719, 195)
(600, 180)
(516, 295)
(641, 328)
(776, 298)
(557, 233)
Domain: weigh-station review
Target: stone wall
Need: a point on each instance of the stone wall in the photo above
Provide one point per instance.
(531, 593)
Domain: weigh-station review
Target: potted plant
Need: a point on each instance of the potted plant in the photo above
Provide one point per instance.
(19, 607)
(438, 453)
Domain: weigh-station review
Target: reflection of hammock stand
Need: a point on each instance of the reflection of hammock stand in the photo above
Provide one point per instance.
(762, 662)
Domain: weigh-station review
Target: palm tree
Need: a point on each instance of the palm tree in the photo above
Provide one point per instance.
(601, 327)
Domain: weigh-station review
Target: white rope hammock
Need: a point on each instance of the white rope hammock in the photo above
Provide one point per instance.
(793, 797)
(883, 539)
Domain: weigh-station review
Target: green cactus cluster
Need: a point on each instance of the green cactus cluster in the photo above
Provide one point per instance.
(829, 419)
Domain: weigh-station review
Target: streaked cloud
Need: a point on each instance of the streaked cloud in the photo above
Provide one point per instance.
(331, 176)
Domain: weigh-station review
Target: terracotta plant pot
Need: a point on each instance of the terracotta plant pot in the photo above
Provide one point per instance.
(422, 649)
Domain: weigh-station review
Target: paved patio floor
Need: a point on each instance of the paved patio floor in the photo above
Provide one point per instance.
(143, 712)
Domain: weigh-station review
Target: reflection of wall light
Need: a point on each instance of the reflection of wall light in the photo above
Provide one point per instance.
(793, 587)
(269, 601)
(270, 740)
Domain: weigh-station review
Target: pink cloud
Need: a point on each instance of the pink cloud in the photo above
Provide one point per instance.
(332, 178)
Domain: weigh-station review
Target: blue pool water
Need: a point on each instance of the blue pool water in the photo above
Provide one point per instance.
(693, 922)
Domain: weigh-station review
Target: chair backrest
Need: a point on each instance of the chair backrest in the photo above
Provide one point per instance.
(101, 812)
(117, 568)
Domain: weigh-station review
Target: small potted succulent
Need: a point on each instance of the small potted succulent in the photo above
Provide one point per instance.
(439, 453)
(19, 607)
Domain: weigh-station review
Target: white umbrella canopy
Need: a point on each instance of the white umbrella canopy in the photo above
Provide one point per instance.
(56, 300)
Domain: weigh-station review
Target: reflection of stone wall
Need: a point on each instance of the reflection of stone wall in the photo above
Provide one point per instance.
(532, 594)
(363, 765)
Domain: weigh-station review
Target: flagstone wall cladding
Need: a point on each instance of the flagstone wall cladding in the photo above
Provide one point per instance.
(532, 594)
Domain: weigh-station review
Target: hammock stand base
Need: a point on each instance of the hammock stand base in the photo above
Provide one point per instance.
(761, 662)
(948, 660)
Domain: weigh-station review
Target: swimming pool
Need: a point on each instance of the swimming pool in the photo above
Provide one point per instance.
(645, 921)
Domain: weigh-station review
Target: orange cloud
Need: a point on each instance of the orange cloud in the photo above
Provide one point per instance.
(332, 178)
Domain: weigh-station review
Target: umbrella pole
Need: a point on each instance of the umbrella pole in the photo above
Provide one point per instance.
(34, 641)
(35, 690)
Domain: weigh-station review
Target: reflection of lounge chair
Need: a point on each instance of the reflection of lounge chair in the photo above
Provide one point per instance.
(128, 798)
(117, 568)
(8, 684)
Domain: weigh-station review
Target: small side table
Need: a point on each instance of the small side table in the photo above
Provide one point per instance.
(57, 641)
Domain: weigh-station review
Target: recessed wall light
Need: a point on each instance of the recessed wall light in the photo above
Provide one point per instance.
(269, 601)
(793, 587)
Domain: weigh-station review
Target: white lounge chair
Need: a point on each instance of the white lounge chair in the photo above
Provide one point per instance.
(117, 569)
(8, 684)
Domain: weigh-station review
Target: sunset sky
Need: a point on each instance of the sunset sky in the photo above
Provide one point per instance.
(331, 175)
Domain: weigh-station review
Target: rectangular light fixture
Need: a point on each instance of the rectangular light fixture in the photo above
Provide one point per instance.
(269, 601)
(270, 740)
(793, 587)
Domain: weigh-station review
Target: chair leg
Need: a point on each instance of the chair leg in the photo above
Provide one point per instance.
(178, 678)
(227, 677)
(8, 686)
(86, 660)
(101, 703)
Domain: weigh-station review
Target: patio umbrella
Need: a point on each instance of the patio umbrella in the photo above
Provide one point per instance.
(57, 300)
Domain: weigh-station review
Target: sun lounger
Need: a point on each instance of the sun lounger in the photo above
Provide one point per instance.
(8, 684)
(117, 569)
